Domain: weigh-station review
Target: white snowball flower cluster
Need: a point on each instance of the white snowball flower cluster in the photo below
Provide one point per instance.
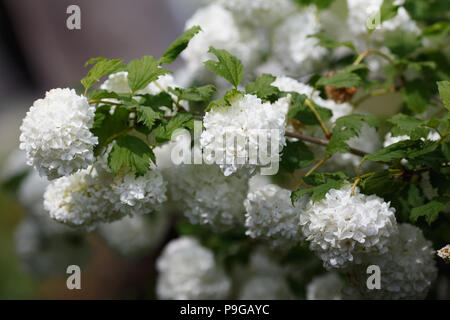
(220, 30)
(137, 235)
(56, 133)
(299, 53)
(270, 215)
(341, 228)
(208, 197)
(263, 278)
(408, 269)
(91, 196)
(259, 12)
(187, 270)
(248, 121)
(325, 287)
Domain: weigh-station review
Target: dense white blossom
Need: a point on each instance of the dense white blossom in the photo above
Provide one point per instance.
(137, 235)
(291, 46)
(56, 134)
(407, 269)
(248, 122)
(92, 196)
(341, 228)
(221, 31)
(208, 197)
(187, 270)
(270, 215)
(325, 287)
(259, 12)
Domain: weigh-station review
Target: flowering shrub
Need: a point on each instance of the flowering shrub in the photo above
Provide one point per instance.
(289, 85)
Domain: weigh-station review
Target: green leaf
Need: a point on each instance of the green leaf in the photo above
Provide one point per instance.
(348, 127)
(301, 112)
(417, 95)
(321, 4)
(162, 99)
(327, 42)
(381, 183)
(318, 178)
(101, 68)
(130, 154)
(103, 94)
(148, 116)
(142, 72)
(197, 94)
(430, 211)
(106, 125)
(402, 44)
(407, 125)
(296, 155)
(415, 197)
(226, 101)
(341, 80)
(228, 66)
(388, 10)
(444, 92)
(396, 151)
(164, 131)
(179, 45)
(263, 89)
(317, 192)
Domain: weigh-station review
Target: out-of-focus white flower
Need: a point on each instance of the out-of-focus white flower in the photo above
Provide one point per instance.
(341, 228)
(407, 269)
(444, 253)
(271, 216)
(137, 235)
(56, 134)
(259, 12)
(31, 192)
(325, 287)
(221, 31)
(44, 253)
(389, 139)
(299, 53)
(14, 165)
(208, 197)
(187, 270)
(234, 136)
(262, 279)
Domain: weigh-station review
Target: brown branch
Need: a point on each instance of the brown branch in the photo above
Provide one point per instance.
(321, 142)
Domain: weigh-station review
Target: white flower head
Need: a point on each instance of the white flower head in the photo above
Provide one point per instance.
(241, 136)
(299, 53)
(187, 270)
(341, 228)
(408, 268)
(136, 235)
(221, 31)
(208, 197)
(271, 216)
(56, 134)
(259, 12)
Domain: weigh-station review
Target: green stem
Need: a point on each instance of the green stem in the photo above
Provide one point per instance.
(319, 119)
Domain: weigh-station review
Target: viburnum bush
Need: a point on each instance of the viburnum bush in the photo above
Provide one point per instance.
(350, 102)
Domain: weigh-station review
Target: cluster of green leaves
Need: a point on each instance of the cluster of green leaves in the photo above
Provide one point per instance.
(138, 120)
